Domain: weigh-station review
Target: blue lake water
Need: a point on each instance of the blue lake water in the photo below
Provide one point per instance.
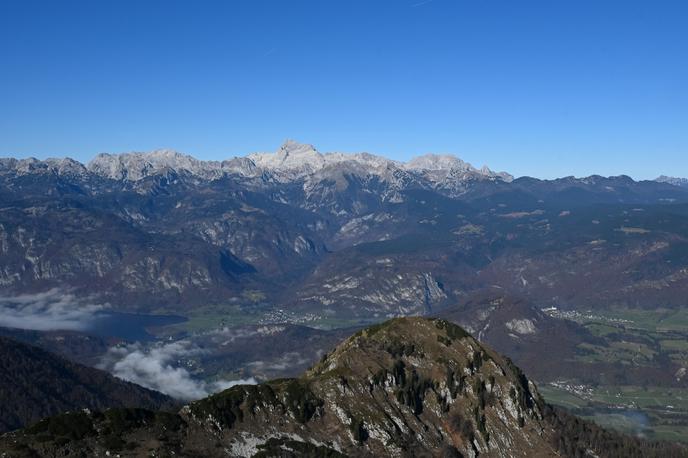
(130, 326)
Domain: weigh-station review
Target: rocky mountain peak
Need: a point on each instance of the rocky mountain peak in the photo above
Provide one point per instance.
(292, 156)
(295, 148)
(437, 162)
(676, 181)
(440, 387)
(137, 165)
(31, 165)
(442, 166)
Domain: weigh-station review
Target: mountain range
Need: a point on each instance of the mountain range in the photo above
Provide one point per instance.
(292, 161)
(151, 231)
(331, 240)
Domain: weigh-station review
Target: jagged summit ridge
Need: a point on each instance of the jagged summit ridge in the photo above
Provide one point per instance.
(297, 157)
(135, 166)
(676, 181)
(437, 162)
(292, 161)
(292, 155)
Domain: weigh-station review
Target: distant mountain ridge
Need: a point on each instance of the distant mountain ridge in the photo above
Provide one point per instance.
(163, 229)
(673, 180)
(292, 161)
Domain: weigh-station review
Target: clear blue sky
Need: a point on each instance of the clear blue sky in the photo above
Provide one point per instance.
(544, 88)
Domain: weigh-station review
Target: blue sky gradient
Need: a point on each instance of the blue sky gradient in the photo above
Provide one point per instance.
(541, 88)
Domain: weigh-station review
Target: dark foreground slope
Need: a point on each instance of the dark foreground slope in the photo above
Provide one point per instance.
(408, 387)
(35, 384)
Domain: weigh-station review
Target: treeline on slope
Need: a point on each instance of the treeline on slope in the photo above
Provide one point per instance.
(576, 438)
(35, 384)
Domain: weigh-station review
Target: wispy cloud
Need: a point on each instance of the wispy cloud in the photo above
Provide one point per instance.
(160, 368)
(54, 309)
(421, 3)
(286, 361)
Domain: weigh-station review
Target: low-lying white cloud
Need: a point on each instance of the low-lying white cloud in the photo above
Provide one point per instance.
(54, 309)
(160, 368)
(286, 361)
